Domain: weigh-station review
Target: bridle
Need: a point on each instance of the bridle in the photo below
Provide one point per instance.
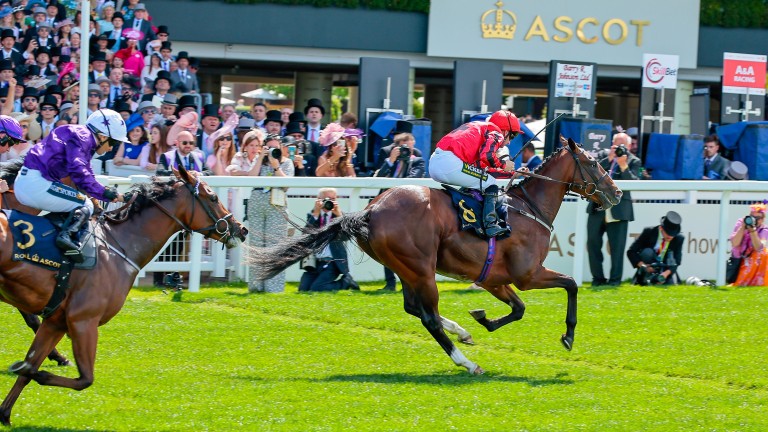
(216, 227)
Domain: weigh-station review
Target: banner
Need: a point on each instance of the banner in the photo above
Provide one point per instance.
(744, 72)
(574, 80)
(660, 71)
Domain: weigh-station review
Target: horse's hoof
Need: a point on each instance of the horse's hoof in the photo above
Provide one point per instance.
(478, 314)
(5, 419)
(467, 340)
(64, 362)
(19, 367)
(567, 342)
(478, 371)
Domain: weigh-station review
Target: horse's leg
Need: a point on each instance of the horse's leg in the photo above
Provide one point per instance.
(411, 306)
(506, 294)
(46, 338)
(546, 278)
(421, 301)
(33, 322)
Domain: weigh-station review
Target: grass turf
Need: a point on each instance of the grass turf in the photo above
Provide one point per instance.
(645, 358)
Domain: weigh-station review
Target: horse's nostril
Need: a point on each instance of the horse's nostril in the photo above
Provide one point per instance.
(244, 231)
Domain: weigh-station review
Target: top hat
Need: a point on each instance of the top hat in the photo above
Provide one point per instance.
(293, 127)
(95, 39)
(296, 117)
(182, 55)
(118, 15)
(194, 62)
(170, 99)
(7, 33)
(403, 126)
(42, 50)
(163, 74)
(632, 132)
(99, 56)
(32, 70)
(737, 171)
(210, 110)
(122, 106)
(30, 92)
(162, 29)
(50, 100)
(671, 223)
(273, 116)
(139, 7)
(314, 102)
(54, 89)
(187, 101)
(6, 64)
(165, 45)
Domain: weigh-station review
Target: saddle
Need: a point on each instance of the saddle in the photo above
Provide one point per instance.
(469, 209)
(34, 240)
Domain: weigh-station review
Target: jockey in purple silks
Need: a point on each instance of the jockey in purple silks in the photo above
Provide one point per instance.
(67, 152)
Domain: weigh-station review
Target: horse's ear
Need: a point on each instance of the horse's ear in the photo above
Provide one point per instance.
(175, 172)
(572, 144)
(563, 141)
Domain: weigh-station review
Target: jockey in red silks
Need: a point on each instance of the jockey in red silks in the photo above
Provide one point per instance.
(67, 152)
(466, 155)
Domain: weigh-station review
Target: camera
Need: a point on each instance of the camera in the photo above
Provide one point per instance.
(276, 153)
(749, 221)
(405, 152)
(302, 146)
(693, 280)
(327, 204)
(654, 277)
(621, 150)
(173, 281)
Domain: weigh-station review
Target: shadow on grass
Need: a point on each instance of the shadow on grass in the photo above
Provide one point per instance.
(50, 429)
(459, 378)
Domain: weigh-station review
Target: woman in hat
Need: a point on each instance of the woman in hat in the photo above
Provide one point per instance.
(8, 21)
(158, 144)
(335, 162)
(131, 56)
(129, 152)
(222, 141)
(63, 33)
(748, 242)
(105, 17)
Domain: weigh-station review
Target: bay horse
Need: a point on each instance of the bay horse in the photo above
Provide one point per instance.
(124, 246)
(415, 232)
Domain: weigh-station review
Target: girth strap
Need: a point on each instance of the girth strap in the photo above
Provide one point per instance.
(488, 260)
(60, 290)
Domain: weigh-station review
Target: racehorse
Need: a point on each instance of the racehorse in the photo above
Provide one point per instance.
(125, 245)
(8, 201)
(415, 232)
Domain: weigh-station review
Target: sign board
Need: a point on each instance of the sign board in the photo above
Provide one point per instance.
(744, 73)
(660, 71)
(574, 80)
(606, 32)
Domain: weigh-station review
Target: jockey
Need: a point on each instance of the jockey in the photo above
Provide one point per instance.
(464, 157)
(67, 152)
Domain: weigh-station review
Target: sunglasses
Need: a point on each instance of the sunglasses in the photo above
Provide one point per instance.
(47, 108)
(187, 142)
(226, 138)
(94, 95)
(30, 99)
(153, 112)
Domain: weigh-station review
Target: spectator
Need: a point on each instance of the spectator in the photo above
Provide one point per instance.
(117, 32)
(128, 9)
(715, 166)
(223, 145)
(162, 85)
(285, 116)
(401, 126)
(115, 90)
(168, 108)
(209, 119)
(153, 47)
(8, 42)
(336, 161)
(530, 159)
(633, 148)
(402, 163)
(353, 138)
(29, 101)
(183, 75)
(273, 122)
(748, 242)
(124, 109)
(259, 114)
(331, 267)
(227, 110)
(99, 66)
(148, 113)
(158, 145)
(615, 221)
(348, 120)
(43, 61)
(129, 152)
(292, 151)
(106, 14)
(133, 59)
(657, 252)
(185, 153)
(737, 171)
(32, 133)
(314, 112)
(267, 207)
(165, 56)
(49, 110)
(246, 162)
(186, 104)
(142, 26)
(94, 99)
(104, 45)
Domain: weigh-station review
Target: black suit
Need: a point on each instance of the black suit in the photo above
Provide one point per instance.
(623, 213)
(325, 276)
(16, 57)
(386, 150)
(672, 257)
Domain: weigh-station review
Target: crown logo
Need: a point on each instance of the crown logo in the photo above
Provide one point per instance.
(497, 29)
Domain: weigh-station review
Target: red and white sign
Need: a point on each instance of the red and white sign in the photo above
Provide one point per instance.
(744, 72)
(660, 71)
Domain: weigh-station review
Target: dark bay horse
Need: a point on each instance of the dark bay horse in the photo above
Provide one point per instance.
(95, 296)
(415, 232)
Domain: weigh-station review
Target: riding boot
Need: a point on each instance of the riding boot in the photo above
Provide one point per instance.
(68, 239)
(490, 218)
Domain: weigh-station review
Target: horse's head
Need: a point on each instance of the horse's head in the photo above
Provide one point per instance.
(205, 213)
(590, 180)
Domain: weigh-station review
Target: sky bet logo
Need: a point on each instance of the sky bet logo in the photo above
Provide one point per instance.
(655, 71)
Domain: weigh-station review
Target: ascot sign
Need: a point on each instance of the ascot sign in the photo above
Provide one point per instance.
(600, 31)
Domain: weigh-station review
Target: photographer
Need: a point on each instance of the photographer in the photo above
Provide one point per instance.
(620, 165)
(330, 269)
(294, 150)
(402, 161)
(748, 241)
(657, 252)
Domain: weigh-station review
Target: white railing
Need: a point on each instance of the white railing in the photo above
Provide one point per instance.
(706, 225)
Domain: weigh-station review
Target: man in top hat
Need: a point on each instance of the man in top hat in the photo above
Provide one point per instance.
(123, 108)
(273, 122)
(99, 66)
(162, 36)
(168, 107)
(658, 251)
(43, 60)
(6, 72)
(29, 101)
(162, 84)
(42, 38)
(210, 122)
(183, 75)
(165, 56)
(314, 112)
(298, 118)
(56, 91)
(9, 51)
(141, 25)
(117, 32)
(49, 111)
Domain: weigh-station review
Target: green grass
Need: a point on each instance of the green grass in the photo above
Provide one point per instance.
(645, 359)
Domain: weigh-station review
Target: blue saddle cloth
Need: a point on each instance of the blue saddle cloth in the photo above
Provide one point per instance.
(34, 240)
(469, 209)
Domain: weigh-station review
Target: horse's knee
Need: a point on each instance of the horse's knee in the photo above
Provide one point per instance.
(570, 285)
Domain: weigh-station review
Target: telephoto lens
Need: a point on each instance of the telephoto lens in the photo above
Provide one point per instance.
(621, 150)
(276, 153)
(327, 204)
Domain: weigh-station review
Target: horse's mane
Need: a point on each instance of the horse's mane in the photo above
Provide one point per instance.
(9, 170)
(159, 189)
(538, 168)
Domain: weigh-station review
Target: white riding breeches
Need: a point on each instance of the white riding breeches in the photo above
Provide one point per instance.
(446, 167)
(34, 190)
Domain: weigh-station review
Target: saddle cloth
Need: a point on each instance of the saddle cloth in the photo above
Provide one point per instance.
(34, 240)
(469, 209)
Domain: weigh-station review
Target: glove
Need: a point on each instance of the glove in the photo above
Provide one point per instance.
(110, 193)
(502, 153)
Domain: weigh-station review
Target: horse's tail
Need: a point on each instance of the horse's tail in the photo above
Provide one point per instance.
(9, 170)
(272, 260)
